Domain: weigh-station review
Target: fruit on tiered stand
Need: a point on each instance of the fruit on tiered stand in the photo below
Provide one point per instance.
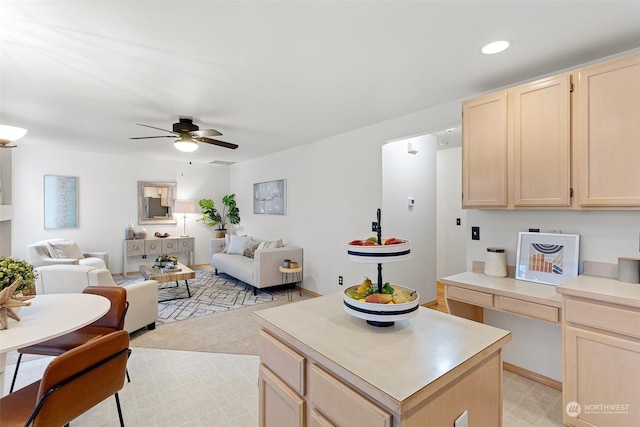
(381, 303)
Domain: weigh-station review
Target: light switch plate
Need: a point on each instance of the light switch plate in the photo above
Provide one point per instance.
(462, 421)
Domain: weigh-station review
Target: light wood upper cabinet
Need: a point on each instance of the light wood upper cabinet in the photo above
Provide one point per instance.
(516, 148)
(541, 145)
(541, 114)
(608, 133)
(484, 151)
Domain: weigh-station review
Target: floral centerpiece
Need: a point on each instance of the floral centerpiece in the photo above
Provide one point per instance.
(163, 260)
(11, 268)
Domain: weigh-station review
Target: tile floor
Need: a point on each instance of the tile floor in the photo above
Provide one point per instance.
(180, 388)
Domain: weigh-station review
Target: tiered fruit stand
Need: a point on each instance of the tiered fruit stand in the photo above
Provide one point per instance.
(380, 314)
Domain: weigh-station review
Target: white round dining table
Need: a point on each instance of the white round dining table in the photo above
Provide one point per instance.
(49, 316)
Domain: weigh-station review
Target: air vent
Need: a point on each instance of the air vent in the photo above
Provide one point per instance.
(221, 162)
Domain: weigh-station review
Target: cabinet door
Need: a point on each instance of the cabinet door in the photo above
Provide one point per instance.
(542, 142)
(484, 151)
(169, 246)
(608, 133)
(153, 247)
(601, 370)
(134, 247)
(279, 405)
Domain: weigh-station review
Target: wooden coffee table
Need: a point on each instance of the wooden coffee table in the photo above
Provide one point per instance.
(149, 272)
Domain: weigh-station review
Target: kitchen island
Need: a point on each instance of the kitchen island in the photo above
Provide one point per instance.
(322, 367)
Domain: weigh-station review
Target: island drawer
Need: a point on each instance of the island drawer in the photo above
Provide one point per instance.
(606, 317)
(283, 361)
(341, 405)
(472, 297)
(529, 309)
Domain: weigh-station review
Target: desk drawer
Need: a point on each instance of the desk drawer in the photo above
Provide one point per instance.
(467, 295)
(283, 361)
(529, 309)
(606, 317)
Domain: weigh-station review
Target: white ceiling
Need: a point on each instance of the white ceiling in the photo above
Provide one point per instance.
(269, 75)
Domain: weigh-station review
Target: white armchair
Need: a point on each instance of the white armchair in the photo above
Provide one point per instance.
(142, 296)
(62, 251)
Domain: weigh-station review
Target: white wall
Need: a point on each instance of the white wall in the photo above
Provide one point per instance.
(407, 175)
(107, 187)
(333, 191)
(452, 238)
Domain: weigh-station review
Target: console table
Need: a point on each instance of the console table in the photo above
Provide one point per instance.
(155, 247)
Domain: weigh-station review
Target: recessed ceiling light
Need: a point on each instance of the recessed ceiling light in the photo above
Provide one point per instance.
(495, 47)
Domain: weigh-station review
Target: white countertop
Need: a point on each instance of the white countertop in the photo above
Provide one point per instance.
(603, 289)
(399, 360)
(507, 286)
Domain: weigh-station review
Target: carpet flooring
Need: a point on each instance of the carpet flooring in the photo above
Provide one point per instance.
(228, 330)
(210, 294)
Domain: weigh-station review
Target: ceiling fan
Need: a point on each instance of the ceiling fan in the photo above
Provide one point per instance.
(189, 135)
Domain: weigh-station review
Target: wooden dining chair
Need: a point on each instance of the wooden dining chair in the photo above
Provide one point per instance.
(112, 321)
(72, 383)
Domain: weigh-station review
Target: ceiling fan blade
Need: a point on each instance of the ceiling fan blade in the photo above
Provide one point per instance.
(216, 142)
(206, 132)
(147, 137)
(153, 127)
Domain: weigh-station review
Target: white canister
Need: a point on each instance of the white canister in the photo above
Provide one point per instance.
(495, 264)
(629, 270)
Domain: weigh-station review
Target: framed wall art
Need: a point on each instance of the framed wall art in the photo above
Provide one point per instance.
(60, 202)
(270, 197)
(548, 258)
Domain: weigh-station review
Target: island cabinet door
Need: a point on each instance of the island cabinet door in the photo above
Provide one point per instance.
(337, 404)
(280, 406)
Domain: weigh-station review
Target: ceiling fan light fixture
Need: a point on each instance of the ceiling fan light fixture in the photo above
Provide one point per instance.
(186, 144)
(10, 134)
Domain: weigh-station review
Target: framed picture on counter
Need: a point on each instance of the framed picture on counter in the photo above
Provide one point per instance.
(548, 258)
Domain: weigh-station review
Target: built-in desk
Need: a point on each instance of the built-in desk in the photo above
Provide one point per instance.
(466, 294)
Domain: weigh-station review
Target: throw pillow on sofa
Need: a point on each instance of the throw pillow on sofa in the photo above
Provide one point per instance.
(250, 249)
(67, 249)
(237, 244)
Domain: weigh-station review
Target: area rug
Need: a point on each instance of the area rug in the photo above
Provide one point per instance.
(210, 294)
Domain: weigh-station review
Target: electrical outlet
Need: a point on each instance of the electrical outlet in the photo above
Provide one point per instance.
(462, 421)
(144, 257)
(374, 226)
(458, 221)
(475, 233)
(340, 281)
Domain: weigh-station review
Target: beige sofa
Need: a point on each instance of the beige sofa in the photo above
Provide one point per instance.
(259, 270)
(142, 296)
(62, 251)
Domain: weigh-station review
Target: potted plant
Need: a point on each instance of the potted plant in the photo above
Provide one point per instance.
(212, 217)
(11, 268)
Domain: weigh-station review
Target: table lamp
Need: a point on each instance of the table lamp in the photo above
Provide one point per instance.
(184, 207)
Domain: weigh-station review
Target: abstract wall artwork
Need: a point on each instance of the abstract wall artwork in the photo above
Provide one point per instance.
(548, 258)
(60, 202)
(270, 197)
